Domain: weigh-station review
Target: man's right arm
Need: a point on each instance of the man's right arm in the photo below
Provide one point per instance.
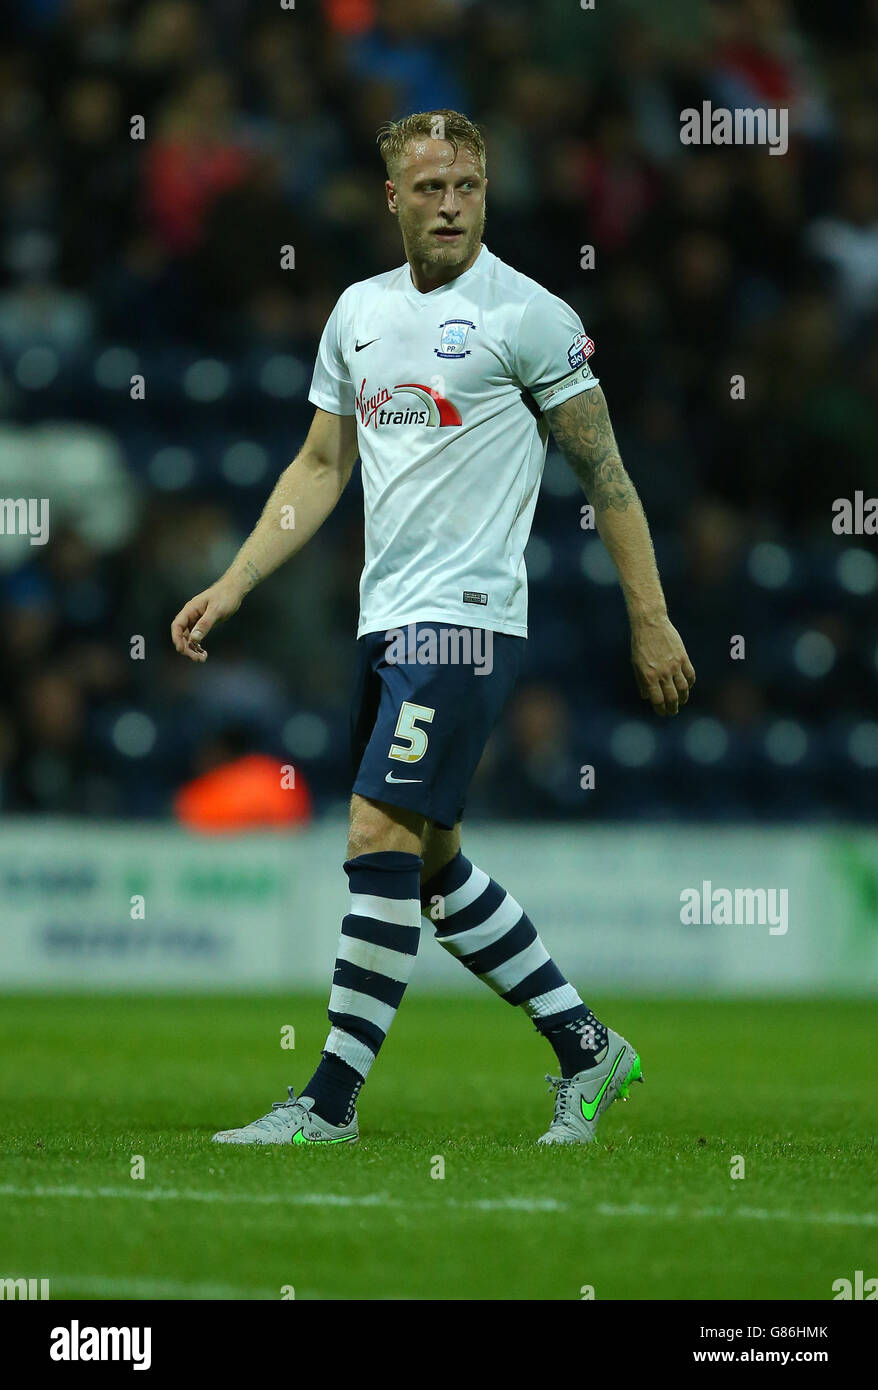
(304, 495)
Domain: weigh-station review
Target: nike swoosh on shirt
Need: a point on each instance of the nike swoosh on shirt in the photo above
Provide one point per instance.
(589, 1107)
(358, 347)
(390, 778)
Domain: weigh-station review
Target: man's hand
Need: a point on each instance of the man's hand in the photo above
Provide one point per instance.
(665, 674)
(203, 612)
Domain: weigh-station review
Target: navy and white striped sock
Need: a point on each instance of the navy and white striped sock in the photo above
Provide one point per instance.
(483, 926)
(376, 955)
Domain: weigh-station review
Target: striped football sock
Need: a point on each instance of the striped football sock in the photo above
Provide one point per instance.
(376, 956)
(490, 933)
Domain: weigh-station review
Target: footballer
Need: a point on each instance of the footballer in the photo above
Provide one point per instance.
(445, 377)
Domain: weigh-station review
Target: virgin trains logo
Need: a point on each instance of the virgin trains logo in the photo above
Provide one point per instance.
(407, 404)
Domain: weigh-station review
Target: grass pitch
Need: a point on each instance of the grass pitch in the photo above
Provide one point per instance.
(651, 1211)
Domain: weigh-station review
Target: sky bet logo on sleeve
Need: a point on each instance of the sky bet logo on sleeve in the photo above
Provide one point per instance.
(580, 350)
(422, 406)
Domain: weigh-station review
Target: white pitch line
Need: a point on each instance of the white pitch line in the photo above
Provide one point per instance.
(105, 1286)
(172, 1194)
(382, 1199)
(295, 1199)
(672, 1213)
(509, 1204)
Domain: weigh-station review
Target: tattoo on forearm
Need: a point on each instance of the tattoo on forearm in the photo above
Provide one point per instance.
(583, 433)
(251, 574)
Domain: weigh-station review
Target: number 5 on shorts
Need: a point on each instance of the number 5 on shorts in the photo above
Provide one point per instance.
(406, 728)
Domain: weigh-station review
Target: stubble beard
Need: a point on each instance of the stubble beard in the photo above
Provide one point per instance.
(423, 249)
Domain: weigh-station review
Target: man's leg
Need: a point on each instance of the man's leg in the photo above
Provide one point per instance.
(483, 926)
(438, 848)
(376, 953)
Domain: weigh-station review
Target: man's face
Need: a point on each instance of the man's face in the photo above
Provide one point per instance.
(440, 204)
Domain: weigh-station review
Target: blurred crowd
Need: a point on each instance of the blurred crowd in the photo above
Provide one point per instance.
(157, 155)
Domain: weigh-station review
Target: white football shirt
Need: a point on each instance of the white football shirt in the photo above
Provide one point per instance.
(447, 388)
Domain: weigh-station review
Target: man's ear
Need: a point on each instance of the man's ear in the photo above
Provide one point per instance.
(390, 189)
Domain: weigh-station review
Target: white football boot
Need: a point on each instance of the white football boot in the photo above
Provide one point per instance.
(581, 1100)
(291, 1122)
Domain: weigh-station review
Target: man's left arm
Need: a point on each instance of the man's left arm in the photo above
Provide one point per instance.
(582, 430)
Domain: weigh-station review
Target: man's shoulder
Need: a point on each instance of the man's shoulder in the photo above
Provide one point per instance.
(387, 279)
(513, 287)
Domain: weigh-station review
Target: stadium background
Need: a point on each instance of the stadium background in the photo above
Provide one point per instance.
(160, 257)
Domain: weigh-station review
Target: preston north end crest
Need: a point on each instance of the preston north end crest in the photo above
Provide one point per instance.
(452, 343)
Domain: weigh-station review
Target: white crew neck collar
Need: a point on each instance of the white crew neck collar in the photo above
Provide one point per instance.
(449, 285)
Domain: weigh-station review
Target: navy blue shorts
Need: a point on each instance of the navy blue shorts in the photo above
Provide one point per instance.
(426, 698)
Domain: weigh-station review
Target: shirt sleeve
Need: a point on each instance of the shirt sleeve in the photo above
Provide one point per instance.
(331, 385)
(552, 351)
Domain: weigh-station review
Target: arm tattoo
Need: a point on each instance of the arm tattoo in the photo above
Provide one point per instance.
(582, 431)
(251, 575)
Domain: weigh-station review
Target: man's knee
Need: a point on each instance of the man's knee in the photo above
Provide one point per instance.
(377, 826)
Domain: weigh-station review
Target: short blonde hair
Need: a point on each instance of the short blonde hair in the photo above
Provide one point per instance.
(394, 136)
